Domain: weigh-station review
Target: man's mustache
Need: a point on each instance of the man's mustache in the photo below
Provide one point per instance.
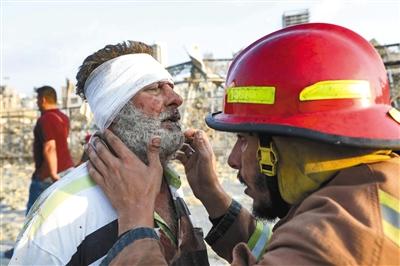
(241, 180)
(170, 115)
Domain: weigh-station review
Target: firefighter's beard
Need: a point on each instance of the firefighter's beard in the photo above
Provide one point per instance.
(135, 129)
(272, 206)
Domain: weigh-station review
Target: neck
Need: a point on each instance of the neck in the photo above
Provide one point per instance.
(49, 107)
(165, 208)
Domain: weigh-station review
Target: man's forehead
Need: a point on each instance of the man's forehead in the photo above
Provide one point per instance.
(159, 84)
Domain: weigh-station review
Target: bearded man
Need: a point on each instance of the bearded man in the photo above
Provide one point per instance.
(73, 223)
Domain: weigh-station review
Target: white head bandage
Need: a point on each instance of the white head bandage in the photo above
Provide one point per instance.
(112, 84)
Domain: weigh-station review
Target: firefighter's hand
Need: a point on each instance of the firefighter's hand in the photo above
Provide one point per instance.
(130, 185)
(198, 158)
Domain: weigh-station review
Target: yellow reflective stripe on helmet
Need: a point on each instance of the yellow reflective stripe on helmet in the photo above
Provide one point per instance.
(259, 239)
(336, 89)
(395, 114)
(390, 210)
(253, 94)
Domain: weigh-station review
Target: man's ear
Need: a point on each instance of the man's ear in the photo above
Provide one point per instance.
(39, 102)
(44, 101)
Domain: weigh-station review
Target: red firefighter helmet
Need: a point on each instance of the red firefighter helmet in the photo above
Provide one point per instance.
(317, 81)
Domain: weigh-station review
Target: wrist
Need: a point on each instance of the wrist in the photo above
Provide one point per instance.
(55, 177)
(127, 239)
(124, 226)
(130, 219)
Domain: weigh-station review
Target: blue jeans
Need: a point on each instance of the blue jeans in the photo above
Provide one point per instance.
(36, 188)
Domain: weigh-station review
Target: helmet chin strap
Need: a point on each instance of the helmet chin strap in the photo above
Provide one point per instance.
(267, 156)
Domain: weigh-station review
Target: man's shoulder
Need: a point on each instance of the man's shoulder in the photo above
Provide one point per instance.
(367, 173)
(387, 175)
(389, 167)
(53, 114)
(67, 204)
(76, 182)
(345, 213)
(352, 195)
(75, 192)
(70, 211)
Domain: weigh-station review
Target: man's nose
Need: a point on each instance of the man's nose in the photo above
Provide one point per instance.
(234, 158)
(173, 97)
(177, 99)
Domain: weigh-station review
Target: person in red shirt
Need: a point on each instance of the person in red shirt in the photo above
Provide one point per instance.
(50, 148)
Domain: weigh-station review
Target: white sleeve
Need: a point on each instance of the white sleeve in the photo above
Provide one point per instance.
(32, 254)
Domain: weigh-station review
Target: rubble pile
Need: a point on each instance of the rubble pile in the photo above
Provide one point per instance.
(14, 188)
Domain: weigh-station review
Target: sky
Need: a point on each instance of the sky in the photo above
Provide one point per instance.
(44, 42)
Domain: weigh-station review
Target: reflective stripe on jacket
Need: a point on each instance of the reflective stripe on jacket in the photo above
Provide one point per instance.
(352, 220)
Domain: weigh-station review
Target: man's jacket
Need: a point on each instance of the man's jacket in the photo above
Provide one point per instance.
(352, 220)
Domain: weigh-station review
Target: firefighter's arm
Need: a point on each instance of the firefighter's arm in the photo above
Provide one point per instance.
(236, 226)
(198, 160)
(232, 224)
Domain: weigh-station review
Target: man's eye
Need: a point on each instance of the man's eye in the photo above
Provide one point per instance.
(155, 90)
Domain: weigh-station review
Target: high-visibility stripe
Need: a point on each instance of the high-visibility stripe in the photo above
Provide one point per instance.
(261, 243)
(389, 200)
(59, 197)
(395, 114)
(390, 216)
(252, 94)
(259, 239)
(391, 232)
(256, 235)
(336, 89)
(390, 210)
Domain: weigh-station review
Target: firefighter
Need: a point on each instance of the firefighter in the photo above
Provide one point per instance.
(315, 133)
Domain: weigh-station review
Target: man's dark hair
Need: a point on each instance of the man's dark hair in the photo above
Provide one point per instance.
(107, 53)
(47, 92)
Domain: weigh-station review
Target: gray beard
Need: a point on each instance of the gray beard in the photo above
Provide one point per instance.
(135, 129)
